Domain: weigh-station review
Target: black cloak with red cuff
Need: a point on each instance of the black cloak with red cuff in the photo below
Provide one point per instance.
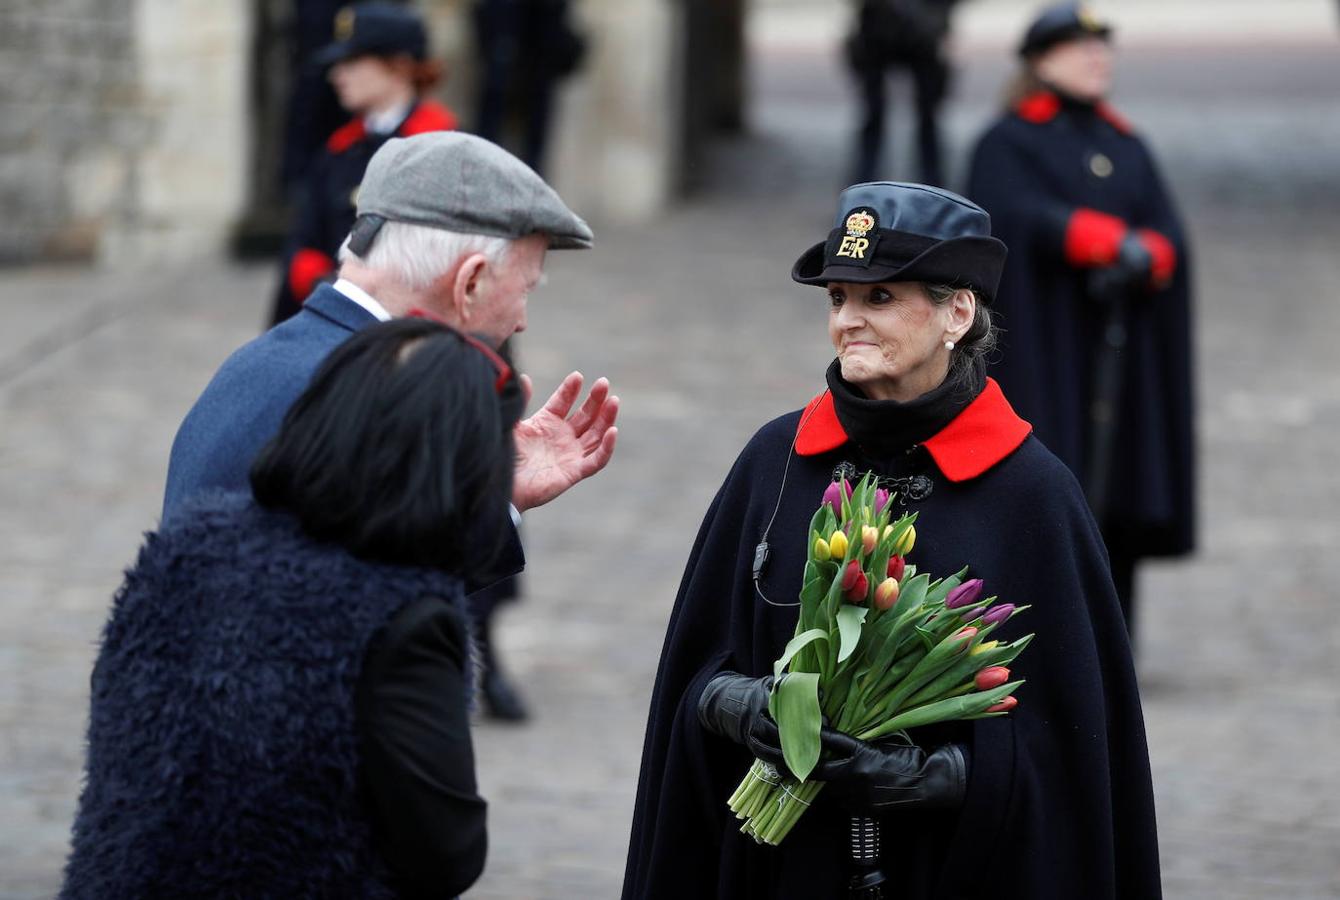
(1059, 803)
(1064, 183)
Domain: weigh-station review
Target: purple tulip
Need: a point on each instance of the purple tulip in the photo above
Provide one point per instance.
(971, 612)
(881, 499)
(965, 594)
(998, 614)
(834, 495)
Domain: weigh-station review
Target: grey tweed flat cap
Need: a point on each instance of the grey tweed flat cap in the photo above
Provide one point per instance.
(459, 182)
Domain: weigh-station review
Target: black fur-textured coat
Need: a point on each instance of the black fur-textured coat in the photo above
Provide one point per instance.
(1059, 803)
(222, 749)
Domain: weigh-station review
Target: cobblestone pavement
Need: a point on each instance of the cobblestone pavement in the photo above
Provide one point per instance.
(695, 320)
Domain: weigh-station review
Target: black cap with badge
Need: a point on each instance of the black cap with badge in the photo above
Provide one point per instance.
(375, 29)
(891, 231)
(1062, 22)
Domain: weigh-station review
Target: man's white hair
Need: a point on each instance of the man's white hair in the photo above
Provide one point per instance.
(417, 255)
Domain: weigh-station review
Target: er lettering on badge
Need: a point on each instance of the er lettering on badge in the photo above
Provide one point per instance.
(853, 247)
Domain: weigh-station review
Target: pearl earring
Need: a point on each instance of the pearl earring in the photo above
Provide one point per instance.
(949, 345)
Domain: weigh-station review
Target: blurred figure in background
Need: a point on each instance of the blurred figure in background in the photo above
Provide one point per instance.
(379, 68)
(1095, 303)
(525, 48)
(310, 737)
(891, 35)
(312, 112)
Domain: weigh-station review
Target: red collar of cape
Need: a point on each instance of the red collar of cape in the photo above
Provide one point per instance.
(427, 115)
(987, 431)
(1043, 106)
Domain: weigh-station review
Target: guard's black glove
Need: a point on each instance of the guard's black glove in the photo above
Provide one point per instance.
(735, 707)
(1129, 273)
(868, 778)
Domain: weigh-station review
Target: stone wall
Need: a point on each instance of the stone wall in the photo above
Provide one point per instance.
(70, 124)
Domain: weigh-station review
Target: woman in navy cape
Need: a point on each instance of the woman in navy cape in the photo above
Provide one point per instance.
(1052, 801)
(1095, 304)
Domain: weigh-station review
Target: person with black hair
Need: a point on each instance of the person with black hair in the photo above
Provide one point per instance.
(1053, 801)
(280, 701)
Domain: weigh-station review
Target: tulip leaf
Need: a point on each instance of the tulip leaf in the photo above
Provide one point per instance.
(849, 620)
(795, 706)
(927, 637)
(795, 645)
(914, 591)
(812, 594)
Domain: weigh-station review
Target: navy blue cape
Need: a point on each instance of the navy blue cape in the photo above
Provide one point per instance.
(1059, 802)
(1031, 171)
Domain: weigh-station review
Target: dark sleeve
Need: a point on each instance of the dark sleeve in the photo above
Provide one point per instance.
(679, 811)
(682, 842)
(308, 256)
(414, 732)
(1060, 800)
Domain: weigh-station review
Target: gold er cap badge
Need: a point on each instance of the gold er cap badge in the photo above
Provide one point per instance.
(858, 244)
(1088, 20)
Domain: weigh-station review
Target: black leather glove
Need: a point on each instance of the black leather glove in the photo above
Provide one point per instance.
(1129, 273)
(735, 707)
(871, 778)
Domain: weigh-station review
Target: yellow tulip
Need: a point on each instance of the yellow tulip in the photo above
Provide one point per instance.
(985, 646)
(822, 552)
(837, 545)
(905, 543)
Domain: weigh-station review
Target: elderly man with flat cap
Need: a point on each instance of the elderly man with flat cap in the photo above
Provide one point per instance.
(450, 226)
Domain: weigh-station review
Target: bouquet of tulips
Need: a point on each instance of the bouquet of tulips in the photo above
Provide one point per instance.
(878, 649)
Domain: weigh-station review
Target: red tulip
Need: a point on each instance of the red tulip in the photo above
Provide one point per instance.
(966, 635)
(860, 590)
(1005, 705)
(991, 677)
(896, 566)
(850, 575)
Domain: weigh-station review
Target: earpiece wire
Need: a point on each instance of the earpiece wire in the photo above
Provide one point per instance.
(781, 492)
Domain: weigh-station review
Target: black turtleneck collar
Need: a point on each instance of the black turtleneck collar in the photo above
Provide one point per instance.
(1078, 110)
(887, 427)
